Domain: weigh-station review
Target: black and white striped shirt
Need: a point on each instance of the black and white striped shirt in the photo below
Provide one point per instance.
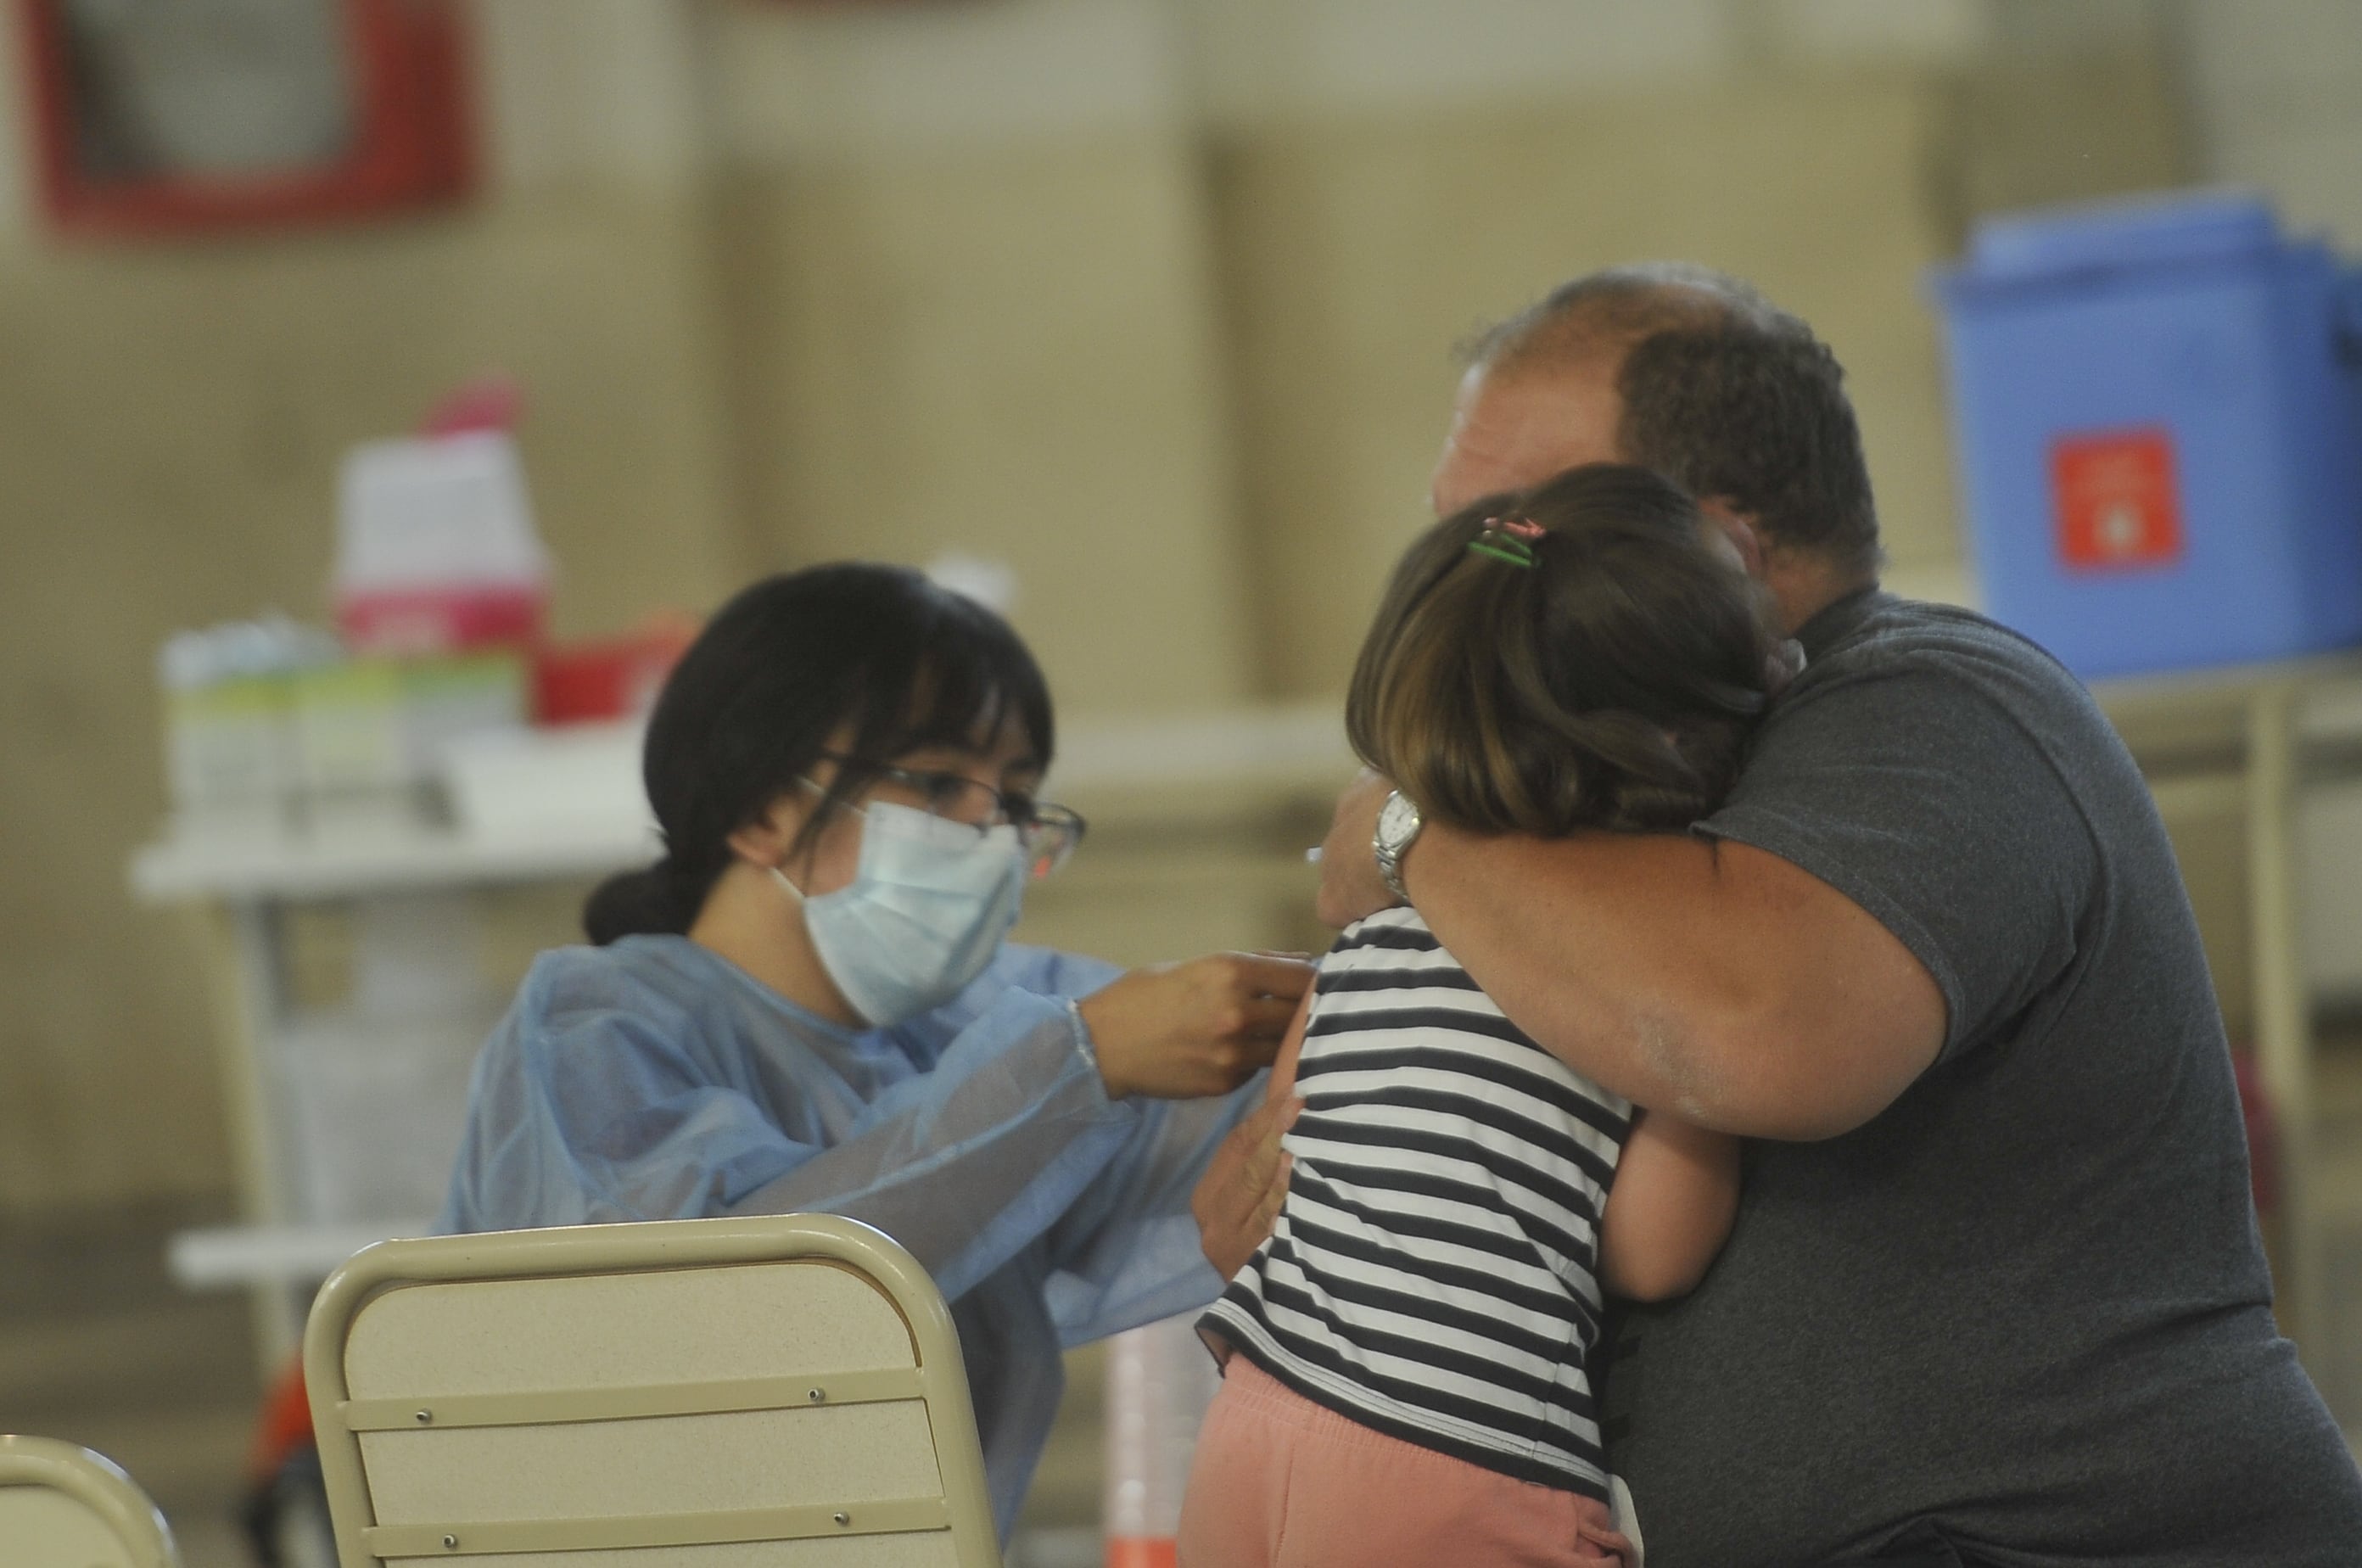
(1434, 1273)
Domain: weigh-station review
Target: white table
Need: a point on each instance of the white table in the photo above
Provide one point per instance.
(253, 884)
(2266, 744)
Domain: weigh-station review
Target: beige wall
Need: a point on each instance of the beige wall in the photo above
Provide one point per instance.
(1150, 301)
(1007, 352)
(169, 422)
(1364, 249)
(170, 418)
(2275, 89)
(976, 311)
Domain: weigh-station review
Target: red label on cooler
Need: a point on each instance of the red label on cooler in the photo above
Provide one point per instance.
(2115, 500)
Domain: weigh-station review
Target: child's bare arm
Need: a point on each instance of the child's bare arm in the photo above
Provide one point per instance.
(1669, 1210)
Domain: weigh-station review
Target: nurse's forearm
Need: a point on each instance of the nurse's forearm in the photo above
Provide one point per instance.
(969, 1164)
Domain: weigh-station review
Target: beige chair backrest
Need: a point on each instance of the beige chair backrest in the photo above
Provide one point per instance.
(779, 1390)
(63, 1507)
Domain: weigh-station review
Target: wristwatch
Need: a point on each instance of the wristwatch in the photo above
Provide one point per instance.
(1398, 825)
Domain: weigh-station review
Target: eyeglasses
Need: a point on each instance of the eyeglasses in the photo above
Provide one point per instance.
(1048, 832)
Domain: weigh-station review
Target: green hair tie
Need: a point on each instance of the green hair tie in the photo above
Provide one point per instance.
(1509, 539)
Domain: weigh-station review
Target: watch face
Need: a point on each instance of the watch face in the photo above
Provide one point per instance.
(1398, 819)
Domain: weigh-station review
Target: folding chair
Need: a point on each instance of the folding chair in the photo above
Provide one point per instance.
(63, 1507)
(710, 1392)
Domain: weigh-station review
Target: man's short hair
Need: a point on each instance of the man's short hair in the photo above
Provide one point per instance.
(1722, 392)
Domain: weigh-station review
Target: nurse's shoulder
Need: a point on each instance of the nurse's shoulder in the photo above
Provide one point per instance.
(653, 987)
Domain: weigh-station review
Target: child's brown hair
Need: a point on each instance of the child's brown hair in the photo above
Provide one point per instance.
(1610, 683)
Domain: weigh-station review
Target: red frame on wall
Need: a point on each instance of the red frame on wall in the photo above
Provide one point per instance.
(413, 144)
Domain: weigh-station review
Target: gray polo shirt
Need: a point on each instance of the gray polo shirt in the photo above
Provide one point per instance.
(2024, 1312)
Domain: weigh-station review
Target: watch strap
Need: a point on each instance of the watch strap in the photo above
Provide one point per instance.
(1388, 852)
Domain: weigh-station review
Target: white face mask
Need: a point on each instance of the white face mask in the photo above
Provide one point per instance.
(927, 909)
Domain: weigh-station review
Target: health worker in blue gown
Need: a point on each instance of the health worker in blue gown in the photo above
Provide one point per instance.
(808, 1004)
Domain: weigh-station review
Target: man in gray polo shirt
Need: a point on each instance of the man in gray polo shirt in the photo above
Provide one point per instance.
(1995, 1294)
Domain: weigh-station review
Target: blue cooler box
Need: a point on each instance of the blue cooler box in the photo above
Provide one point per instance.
(2159, 414)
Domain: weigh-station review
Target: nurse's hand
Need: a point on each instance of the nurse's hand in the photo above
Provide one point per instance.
(1180, 1030)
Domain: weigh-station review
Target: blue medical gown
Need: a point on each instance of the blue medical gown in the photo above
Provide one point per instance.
(653, 1080)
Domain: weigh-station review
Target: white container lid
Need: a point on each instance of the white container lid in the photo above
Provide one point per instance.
(436, 512)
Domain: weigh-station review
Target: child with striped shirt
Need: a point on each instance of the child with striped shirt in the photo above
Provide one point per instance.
(1405, 1358)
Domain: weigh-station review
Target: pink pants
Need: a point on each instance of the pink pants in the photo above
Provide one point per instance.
(1280, 1482)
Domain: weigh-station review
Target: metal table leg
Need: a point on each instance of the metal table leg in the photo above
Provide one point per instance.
(250, 1004)
(2283, 1007)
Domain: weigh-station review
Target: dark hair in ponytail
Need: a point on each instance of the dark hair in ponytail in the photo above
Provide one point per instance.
(1610, 684)
(877, 651)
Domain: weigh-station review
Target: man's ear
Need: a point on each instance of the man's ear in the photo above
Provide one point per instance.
(1739, 528)
(766, 840)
